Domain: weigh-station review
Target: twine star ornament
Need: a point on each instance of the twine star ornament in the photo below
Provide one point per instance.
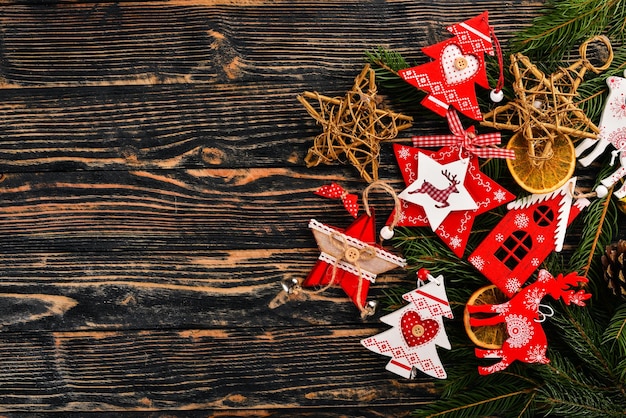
(353, 126)
(543, 114)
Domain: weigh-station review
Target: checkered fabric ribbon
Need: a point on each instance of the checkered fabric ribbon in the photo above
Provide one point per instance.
(479, 145)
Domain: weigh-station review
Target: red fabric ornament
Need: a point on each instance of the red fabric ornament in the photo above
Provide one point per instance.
(458, 63)
(455, 228)
(350, 258)
(526, 340)
(533, 228)
(335, 191)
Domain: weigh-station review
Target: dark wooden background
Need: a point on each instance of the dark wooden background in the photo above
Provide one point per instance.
(153, 195)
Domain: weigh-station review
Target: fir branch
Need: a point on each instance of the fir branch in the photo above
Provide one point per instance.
(481, 402)
(386, 64)
(600, 226)
(622, 377)
(594, 244)
(583, 335)
(564, 24)
(570, 390)
(615, 333)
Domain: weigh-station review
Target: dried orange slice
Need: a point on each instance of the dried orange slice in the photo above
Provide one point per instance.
(491, 337)
(542, 175)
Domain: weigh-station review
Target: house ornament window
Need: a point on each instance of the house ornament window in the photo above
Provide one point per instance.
(543, 216)
(514, 248)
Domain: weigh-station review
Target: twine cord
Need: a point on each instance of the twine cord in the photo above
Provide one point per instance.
(396, 201)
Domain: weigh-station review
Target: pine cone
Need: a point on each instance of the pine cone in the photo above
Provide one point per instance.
(615, 267)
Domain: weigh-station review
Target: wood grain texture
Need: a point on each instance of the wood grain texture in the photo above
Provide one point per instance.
(153, 195)
(155, 85)
(160, 290)
(142, 210)
(197, 369)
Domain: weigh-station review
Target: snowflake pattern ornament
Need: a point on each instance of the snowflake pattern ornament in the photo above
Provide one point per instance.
(454, 229)
(439, 189)
(612, 132)
(458, 63)
(526, 339)
(417, 330)
(534, 227)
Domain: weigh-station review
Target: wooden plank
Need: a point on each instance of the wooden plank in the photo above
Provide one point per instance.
(163, 127)
(163, 290)
(198, 369)
(183, 210)
(80, 44)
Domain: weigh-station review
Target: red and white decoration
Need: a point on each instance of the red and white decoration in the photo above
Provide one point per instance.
(454, 229)
(526, 339)
(335, 191)
(439, 189)
(612, 132)
(417, 330)
(533, 227)
(458, 63)
(350, 258)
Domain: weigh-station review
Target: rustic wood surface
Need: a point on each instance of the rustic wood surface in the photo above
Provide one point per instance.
(153, 195)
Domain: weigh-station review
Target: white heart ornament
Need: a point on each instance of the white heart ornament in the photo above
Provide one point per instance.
(458, 68)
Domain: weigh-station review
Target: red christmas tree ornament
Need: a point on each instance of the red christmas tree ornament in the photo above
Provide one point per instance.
(446, 189)
(526, 339)
(534, 227)
(458, 63)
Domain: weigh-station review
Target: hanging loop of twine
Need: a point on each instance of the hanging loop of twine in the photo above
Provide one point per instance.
(396, 201)
(583, 53)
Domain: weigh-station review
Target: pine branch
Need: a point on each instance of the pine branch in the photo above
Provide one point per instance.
(482, 402)
(615, 333)
(565, 24)
(386, 64)
(570, 390)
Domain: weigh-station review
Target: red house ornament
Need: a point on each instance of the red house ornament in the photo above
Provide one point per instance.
(458, 63)
(534, 227)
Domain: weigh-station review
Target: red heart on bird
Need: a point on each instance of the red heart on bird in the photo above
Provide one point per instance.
(417, 331)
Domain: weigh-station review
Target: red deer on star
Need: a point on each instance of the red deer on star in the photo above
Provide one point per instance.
(439, 195)
(526, 340)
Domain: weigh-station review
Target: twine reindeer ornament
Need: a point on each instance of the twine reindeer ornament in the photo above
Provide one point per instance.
(349, 258)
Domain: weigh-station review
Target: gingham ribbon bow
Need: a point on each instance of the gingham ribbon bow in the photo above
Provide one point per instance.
(335, 191)
(478, 145)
